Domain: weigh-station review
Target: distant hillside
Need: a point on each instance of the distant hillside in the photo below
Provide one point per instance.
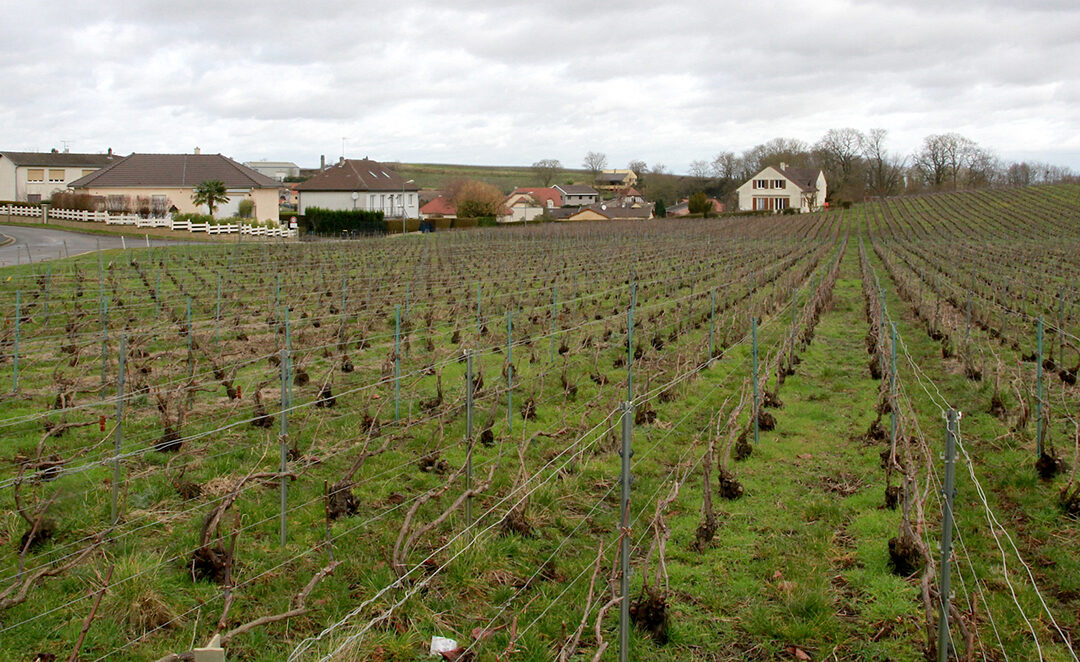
(505, 178)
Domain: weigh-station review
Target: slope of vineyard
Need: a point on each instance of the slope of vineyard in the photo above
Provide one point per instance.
(170, 415)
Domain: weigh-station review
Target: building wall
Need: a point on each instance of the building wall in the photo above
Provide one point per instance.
(266, 200)
(587, 215)
(522, 213)
(15, 182)
(7, 179)
(796, 198)
(388, 202)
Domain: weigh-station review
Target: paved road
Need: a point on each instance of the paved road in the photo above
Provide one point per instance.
(40, 244)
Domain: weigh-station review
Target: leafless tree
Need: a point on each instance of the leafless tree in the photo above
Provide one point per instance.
(839, 153)
(547, 170)
(884, 171)
(699, 169)
(725, 165)
(595, 162)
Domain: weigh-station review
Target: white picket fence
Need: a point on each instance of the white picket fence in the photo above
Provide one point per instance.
(19, 210)
(140, 222)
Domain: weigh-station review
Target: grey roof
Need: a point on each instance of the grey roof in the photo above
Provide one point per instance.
(613, 176)
(59, 159)
(576, 189)
(174, 171)
(357, 175)
(804, 178)
(620, 212)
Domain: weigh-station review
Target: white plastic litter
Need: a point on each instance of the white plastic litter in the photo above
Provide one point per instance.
(440, 645)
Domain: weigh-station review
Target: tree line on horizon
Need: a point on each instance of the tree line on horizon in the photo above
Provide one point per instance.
(857, 165)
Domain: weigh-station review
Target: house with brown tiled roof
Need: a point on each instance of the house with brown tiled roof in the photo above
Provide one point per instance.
(166, 182)
(361, 184)
(777, 188)
(438, 207)
(35, 176)
(611, 211)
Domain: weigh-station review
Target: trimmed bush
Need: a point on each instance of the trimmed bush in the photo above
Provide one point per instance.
(334, 221)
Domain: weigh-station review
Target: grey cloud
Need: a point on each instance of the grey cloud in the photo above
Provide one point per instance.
(520, 80)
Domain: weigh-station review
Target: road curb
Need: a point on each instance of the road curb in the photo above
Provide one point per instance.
(6, 240)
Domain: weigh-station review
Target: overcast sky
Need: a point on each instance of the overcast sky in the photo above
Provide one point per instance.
(511, 82)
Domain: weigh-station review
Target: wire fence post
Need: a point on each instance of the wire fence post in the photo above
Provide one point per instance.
(479, 320)
(105, 337)
(794, 325)
(892, 390)
(217, 313)
(283, 446)
(48, 281)
(1061, 323)
(157, 299)
(967, 320)
(118, 437)
(948, 493)
(509, 373)
(625, 453)
(753, 336)
(190, 357)
(277, 294)
(554, 314)
(712, 325)
(630, 342)
(1039, 392)
(343, 314)
(397, 362)
(469, 395)
(18, 314)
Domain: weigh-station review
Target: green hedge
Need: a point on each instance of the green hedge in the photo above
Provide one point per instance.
(333, 221)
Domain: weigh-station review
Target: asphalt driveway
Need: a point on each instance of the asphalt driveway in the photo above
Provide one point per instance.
(40, 244)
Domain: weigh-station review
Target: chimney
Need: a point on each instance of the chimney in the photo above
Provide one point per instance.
(341, 159)
(322, 162)
(67, 150)
(110, 151)
(198, 151)
(783, 166)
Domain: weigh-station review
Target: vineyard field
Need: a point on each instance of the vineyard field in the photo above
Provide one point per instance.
(340, 450)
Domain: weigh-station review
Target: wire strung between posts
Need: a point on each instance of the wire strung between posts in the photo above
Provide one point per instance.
(307, 643)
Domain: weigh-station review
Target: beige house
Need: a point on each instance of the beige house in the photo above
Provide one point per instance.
(610, 180)
(610, 211)
(166, 183)
(777, 188)
(35, 176)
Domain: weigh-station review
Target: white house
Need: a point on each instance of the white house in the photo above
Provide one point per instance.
(777, 188)
(360, 184)
(35, 176)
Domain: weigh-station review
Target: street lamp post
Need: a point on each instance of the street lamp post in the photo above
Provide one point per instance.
(403, 185)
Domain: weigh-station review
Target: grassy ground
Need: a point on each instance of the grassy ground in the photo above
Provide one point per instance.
(800, 561)
(116, 230)
(505, 178)
(799, 565)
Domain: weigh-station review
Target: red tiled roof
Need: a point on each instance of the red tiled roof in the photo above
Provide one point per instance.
(542, 195)
(439, 206)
